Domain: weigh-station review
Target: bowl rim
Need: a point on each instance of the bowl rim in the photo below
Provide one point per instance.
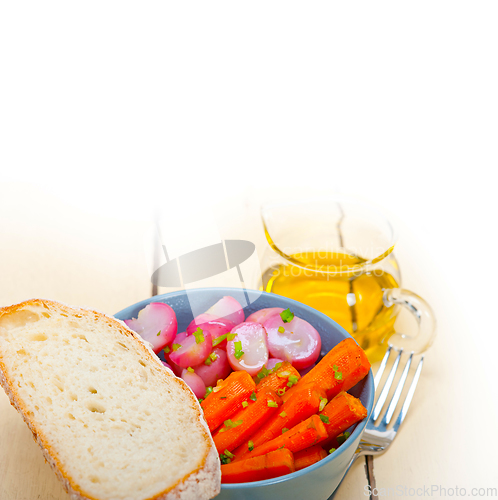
(357, 432)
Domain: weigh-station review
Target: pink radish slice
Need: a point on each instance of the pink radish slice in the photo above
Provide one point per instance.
(263, 314)
(227, 308)
(191, 353)
(299, 343)
(214, 325)
(219, 368)
(270, 364)
(251, 337)
(195, 383)
(156, 323)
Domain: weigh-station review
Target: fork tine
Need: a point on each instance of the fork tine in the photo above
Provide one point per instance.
(382, 367)
(409, 396)
(387, 387)
(397, 392)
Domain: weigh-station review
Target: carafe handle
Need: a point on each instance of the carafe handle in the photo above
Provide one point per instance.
(423, 314)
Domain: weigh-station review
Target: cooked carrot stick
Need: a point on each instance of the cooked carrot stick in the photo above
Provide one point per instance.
(227, 398)
(274, 464)
(278, 380)
(309, 456)
(301, 436)
(342, 412)
(339, 370)
(246, 421)
(305, 402)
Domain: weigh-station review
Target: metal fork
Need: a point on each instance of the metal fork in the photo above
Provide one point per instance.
(377, 437)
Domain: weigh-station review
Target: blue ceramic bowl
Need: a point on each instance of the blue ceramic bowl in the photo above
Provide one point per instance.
(318, 481)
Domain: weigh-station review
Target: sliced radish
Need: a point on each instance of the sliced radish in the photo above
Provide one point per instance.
(263, 314)
(270, 364)
(214, 325)
(217, 369)
(156, 323)
(249, 349)
(195, 383)
(297, 341)
(228, 308)
(191, 350)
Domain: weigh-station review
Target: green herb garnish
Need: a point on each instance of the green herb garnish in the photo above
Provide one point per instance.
(281, 392)
(238, 349)
(284, 430)
(245, 404)
(190, 369)
(292, 381)
(219, 340)
(337, 373)
(332, 450)
(277, 366)
(176, 347)
(283, 414)
(263, 373)
(229, 424)
(323, 402)
(342, 437)
(324, 419)
(209, 390)
(281, 329)
(199, 336)
(287, 316)
(167, 350)
(272, 404)
(159, 333)
(250, 445)
(252, 397)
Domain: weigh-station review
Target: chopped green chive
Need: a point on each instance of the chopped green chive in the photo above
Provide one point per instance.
(272, 404)
(223, 397)
(263, 373)
(287, 316)
(159, 333)
(209, 390)
(331, 450)
(324, 419)
(245, 404)
(283, 414)
(231, 425)
(190, 369)
(337, 373)
(342, 437)
(219, 340)
(323, 402)
(231, 336)
(292, 381)
(276, 367)
(281, 329)
(250, 445)
(213, 356)
(226, 457)
(208, 362)
(284, 430)
(281, 392)
(176, 347)
(201, 400)
(252, 397)
(167, 350)
(238, 349)
(199, 336)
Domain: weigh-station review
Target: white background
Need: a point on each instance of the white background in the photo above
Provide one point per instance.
(116, 106)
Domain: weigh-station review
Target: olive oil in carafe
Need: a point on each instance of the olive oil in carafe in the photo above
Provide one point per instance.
(354, 301)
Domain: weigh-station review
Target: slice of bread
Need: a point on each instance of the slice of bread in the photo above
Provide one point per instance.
(111, 420)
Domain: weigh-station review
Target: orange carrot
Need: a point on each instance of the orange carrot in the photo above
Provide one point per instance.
(301, 436)
(227, 398)
(278, 379)
(274, 464)
(339, 370)
(342, 412)
(246, 421)
(305, 402)
(309, 456)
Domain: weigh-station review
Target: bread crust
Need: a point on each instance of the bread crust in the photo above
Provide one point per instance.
(202, 483)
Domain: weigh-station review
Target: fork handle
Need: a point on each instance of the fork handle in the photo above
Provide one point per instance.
(423, 314)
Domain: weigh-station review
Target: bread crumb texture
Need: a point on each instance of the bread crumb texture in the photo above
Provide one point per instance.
(115, 423)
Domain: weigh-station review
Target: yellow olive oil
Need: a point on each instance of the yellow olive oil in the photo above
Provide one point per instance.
(352, 299)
